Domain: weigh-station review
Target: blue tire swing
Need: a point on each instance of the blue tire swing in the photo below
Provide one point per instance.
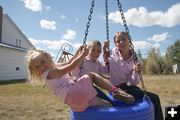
(141, 109)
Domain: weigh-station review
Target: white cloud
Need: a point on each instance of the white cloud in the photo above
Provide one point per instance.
(156, 45)
(141, 17)
(34, 5)
(160, 37)
(51, 44)
(70, 35)
(55, 45)
(141, 45)
(48, 24)
(63, 17)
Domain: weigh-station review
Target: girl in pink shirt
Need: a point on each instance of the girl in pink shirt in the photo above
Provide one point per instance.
(90, 62)
(124, 73)
(78, 94)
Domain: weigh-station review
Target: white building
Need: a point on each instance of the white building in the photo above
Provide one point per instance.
(13, 47)
(176, 68)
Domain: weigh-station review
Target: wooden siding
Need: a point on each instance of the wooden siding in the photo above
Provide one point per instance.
(12, 35)
(13, 47)
(10, 61)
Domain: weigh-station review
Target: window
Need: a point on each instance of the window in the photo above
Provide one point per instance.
(18, 42)
(17, 68)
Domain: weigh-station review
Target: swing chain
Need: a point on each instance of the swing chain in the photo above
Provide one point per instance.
(131, 45)
(88, 23)
(86, 32)
(107, 20)
(127, 31)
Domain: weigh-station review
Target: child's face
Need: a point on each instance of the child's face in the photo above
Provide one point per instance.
(94, 52)
(40, 63)
(122, 41)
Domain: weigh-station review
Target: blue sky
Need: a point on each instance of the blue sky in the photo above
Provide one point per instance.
(49, 23)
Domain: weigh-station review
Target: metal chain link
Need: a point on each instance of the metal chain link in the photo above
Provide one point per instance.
(107, 28)
(86, 32)
(130, 41)
(107, 20)
(88, 23)
(127, 31)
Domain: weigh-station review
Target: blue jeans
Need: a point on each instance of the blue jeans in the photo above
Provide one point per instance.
(102, 95)
(139, 94)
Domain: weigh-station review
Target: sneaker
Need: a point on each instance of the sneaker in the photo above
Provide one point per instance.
(123, 96)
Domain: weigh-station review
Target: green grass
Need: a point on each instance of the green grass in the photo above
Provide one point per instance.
(21, 101)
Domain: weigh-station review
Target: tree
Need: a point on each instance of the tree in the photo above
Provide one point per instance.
(152, 62)
(177, 51)
(139, 54)
(165, 67)
(173, 52)
(157, 64)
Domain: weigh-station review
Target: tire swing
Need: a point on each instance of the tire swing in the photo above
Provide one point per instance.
(141, 109)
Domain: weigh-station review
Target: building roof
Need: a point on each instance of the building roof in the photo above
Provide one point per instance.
(12, 47)
(5, 15)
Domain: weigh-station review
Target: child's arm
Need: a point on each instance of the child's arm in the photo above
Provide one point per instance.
(65, 69)
(103, 69)
(136, 75)
(74, 56)
(106, 52)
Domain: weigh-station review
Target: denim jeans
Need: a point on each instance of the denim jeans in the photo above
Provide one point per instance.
(139, 94)
(102, 95)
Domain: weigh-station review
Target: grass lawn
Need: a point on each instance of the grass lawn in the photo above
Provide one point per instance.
(21, 101)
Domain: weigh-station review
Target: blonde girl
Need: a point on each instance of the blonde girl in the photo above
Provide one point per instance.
(78, 95)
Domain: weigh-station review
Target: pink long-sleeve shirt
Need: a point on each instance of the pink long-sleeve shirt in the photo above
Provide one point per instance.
(122, 71)
(88, 66)
(59, 85)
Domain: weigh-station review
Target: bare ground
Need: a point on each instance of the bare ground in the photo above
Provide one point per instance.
(21, 101)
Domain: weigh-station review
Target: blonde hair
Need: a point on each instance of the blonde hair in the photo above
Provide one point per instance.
(35, 78)
(93, 43)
